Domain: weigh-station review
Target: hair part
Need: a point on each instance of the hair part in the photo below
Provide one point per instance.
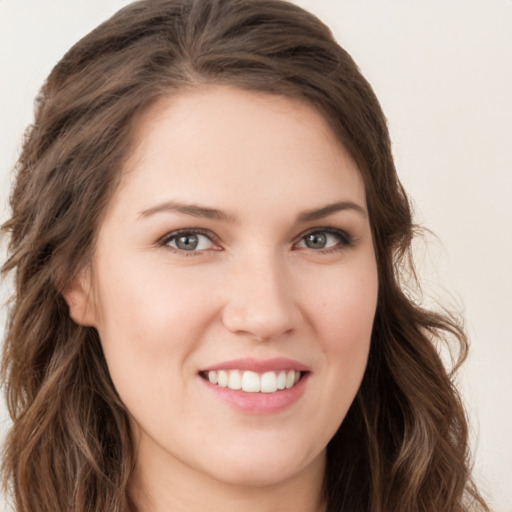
(403, 444)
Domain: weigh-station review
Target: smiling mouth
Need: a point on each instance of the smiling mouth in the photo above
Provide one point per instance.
(253, 382)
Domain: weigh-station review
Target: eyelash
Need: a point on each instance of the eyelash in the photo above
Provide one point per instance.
(345, 240)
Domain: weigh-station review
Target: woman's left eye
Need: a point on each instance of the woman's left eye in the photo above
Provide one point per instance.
(188, 241)
(323, 239)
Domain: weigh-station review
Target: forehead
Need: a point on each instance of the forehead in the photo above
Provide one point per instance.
(221, 141)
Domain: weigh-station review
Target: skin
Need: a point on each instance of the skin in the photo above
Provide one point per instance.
(251, 289)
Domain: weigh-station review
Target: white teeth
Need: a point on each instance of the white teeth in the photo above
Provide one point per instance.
(269, 382)
(235, 380)
(223, 379)
(252, 382)
(281, 379)
(290, 379)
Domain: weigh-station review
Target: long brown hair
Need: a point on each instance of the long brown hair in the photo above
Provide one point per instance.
(403, 445)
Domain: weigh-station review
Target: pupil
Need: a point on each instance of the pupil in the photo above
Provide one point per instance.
(316, 240)
(187, 242)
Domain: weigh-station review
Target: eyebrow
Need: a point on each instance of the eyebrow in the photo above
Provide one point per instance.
(213, 213)
(325, 211)
(189, 209)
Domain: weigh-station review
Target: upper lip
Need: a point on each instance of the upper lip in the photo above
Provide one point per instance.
(259, 365)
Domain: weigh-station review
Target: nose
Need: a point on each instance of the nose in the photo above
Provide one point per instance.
(260, 299)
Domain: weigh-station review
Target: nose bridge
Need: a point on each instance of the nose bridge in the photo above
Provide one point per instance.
(260, 299)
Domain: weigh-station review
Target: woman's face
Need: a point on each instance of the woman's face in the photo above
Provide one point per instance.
(236, 252)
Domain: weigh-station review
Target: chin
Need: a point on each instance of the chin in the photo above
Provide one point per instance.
(258, 476)
(263, 468)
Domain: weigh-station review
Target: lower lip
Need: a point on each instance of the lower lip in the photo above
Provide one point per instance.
(259, 403)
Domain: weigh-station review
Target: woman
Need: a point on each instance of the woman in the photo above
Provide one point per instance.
(208, 238)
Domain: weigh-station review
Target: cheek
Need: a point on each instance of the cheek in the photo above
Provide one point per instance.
(345, 340)
(148, 296)
(342, 304)
(150, 322)
(342, 314)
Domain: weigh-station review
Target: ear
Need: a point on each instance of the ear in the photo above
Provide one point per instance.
(79, 297)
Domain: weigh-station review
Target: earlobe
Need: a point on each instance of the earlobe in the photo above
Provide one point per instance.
(79, 297)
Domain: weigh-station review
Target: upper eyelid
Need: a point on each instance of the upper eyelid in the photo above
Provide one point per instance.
(322, 229)
(331, 230)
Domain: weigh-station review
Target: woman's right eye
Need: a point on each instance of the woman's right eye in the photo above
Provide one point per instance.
(188, 241)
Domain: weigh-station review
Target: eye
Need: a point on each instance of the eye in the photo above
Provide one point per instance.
(321, 239)
(189, 241)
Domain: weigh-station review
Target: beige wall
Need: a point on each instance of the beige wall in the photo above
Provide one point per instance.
(443, 72)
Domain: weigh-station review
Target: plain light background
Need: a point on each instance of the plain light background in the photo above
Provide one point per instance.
(442, 70)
